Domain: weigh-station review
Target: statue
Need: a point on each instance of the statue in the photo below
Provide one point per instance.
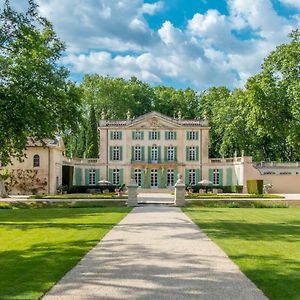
(179, 115)
(103, 116)
(128, 115)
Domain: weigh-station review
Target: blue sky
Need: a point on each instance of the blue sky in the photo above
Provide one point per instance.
(180, 43)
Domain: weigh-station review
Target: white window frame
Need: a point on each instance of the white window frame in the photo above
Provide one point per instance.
(170, 177)
(192, 135)
(92, 177)
(192, 153)
(138, 176)
(116, 135)
(154, 153)
(192, 177)
(137, 153)
(216, 177)
(137, 135)
(116, 176)
(171, 153)
(170, 135)
(153, 135)
(116, 153)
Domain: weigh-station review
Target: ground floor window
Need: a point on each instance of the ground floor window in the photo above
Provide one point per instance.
(192, 177)
(216, 177)
(116, 176)
(170, 177)
(154, 178)
(92, 177)
(138, 176)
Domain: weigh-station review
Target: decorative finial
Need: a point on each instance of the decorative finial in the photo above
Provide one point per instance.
(179, 115)
(103, 116)
(128, 115)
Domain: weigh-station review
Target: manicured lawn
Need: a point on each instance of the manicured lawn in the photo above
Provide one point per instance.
(263, 242)
(38, 246)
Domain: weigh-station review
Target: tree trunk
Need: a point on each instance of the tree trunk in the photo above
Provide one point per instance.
(3, 193)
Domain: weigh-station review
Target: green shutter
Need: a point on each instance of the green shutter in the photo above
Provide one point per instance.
(221, 177)
(133, 135)
(110, 175)
(175, 175)
(121, 133)
(210, 175)
(143, 178)
(197, 135)
(197, 176)
(159, 178)
(143, 153)
(175, 153)
(149, 153)
(186, 153)
(148, 178)
(229, 177)
(175, 134)
(121, 152)
(158, 135)
(142, 135)
(166, 135)
(165, 172)
(132, 153)
(159, 153)
(149, 135)
(110, 152)
(186, 179)
(121, 174)
(86, 177)
(97, 176)
(197, 153)
(78, 176)
(166, 153)
(111, 135)
(187, 135)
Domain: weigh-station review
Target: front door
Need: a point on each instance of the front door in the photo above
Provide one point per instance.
(154, 181)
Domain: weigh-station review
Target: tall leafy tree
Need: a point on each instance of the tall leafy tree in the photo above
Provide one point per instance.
(36, 98)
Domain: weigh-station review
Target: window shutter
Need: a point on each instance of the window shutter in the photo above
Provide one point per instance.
(197, 153)
(187, 153)
(121, 153)
(121, 176)
(164, 174)
(197, 176)
(87, 177)
(142, 135)
(187, 176)
(78, 176)
(121, 133)
(110, 153)
(210, 175)
(159, 153)
(229, 177)
(111, 135)
(175, 153)
(97, 176)
(143, 153)
(159, 178)
(110, 175)
(197, 135)
(133, 135)
(149, 133)
(221, 177)
(175, 135)
(149, 154)
(158, 135)
(132, 153)
(166, 135)
(143, 178)
(187, 135)
(148, 178)
(165, 153)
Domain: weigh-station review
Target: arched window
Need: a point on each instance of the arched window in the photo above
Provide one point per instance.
(36, 160)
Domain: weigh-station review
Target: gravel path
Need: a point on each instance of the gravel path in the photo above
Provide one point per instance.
(155, 252)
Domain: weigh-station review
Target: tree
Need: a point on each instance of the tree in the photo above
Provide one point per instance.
(35, 94)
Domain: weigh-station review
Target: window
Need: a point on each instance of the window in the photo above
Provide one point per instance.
(192, 177)
(138, 176)
(171, 153)
(216, 176)
(269, 173)
(36, 161)
(170, 177)
(116, 135)
(170, 135)
(153, 135)
(285, 173)
(116, 153)
(92, 177)
(116, 176)
(154, 153)
(192, 153)
(192, 135)
(137, 153)
(137, 135)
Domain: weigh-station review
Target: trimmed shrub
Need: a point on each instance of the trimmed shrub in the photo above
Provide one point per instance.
(255, 186)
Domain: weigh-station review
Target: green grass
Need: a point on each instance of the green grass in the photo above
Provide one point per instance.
(80, 196)
(38, 246)
(264, 243)
(232, 196)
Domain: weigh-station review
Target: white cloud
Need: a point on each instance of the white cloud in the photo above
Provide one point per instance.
(152, 8)
(292, 3)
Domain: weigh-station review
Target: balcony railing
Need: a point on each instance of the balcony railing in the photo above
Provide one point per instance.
(152, 161)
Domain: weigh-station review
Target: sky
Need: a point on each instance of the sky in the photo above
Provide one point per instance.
(179, 43)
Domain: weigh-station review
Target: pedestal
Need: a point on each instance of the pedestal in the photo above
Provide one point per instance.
(132, 193)
(179, 194)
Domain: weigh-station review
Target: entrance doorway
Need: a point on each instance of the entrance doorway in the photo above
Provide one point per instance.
(154, 181)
